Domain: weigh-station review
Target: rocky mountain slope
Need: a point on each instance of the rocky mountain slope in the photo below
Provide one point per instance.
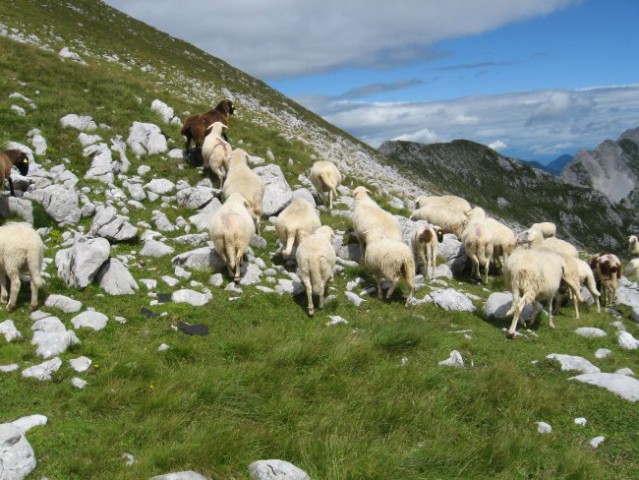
(612, 168)
(517, 192)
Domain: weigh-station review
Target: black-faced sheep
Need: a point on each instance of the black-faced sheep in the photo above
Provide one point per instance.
(21, 248)
(8, 160)
(325, 177)
(315, 261)
(607, 270)
(195, 128)
(231, 230)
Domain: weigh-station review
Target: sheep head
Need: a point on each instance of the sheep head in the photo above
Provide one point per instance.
(20, 160)
(361, 193)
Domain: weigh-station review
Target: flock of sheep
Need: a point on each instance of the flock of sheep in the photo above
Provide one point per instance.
(536, 265)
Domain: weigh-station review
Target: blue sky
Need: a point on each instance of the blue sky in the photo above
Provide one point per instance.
(533, 79)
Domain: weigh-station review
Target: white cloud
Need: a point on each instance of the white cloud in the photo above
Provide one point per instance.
(572, 119)
(286, 37)
(498, 145)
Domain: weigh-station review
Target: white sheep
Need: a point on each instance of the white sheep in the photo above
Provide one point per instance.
(587, 278)
(632, 270)
(533, 239)
(452, 202)
(450, 220)
(325, 177)
(21, 248)
(369, 219)
(296, 222)
(216, 152)
(425, 241)
(393, 260)
(316, 258)
(532, 275)
(547, 229)
(241, 179)
(607, 269)
(231, 230)
(633, 245)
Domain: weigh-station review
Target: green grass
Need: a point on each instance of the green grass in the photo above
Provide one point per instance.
(366, 400)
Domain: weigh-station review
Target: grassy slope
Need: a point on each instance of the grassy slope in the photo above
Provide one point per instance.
(268, 382)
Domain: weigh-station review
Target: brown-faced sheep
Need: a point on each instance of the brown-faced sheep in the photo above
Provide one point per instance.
(425, 241)
(8, 160)
(607, 270)
(195, 128)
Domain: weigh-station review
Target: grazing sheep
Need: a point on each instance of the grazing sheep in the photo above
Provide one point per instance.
(391, 259)
(587, 278)
(370, 220)
(315, 261)
(532, 275)
(21, 248)
(547, 229)
(195, 128)
(607, 270)
(535, 239)
(450, 202)
(325, 177)
(8, 160)
(296, 222)
(450, 220)
(231, 230)
(241, 179)
(503, 240)
(425, 241)
(216, 152)
(633, 244)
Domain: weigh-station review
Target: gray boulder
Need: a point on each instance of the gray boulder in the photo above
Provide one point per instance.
(114, 277)
(108, 224)
(66, 304)
(195, 197)
(17, 458)
(186, 475)
(204, 258)
(102, 165)
(154, 248)
(202, 220)
(90, 319)
(79, 265)
(19, 207)
(277, 192)
(146, 138)
(60, 203)
(452, 300)
(276, 470)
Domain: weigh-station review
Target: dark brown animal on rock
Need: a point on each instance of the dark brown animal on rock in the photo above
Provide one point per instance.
(195, 128)
(607, 270)
(9, 159)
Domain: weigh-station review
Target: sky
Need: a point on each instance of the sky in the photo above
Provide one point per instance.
(533, 79)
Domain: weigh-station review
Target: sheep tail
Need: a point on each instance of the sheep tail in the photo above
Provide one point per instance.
(34, 261)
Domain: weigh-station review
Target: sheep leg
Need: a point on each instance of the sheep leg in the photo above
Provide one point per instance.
(238, 267)
(551, 322)
(34, 295)
(330, 199)
(3, 286)
(290, 240)
(14, 278)
(11, 190)
(519, 306)
(424, 262)
(486, 267)
(309, 296)
(391, 289)
(378, 279)
(597, 303)
(321, 296)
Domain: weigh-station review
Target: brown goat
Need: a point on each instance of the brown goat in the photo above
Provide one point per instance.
(607, 270)
(9, 159)
(195, 128)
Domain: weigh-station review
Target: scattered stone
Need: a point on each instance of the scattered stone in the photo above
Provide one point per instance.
(146, 138)
(276, 470)
(186, 475)
(17, 458)
(602, 353)
(194, 198)
(108, 224)
(78, 383)
(66, 304)
(622, 385)
(627, 341)
(80, 364)
(9, 330)
(44, 370)
(153, 248)
(452, 300)
(60, 203)
(590, 332)
(52, 343)
(163, 347)
(581, 421)
(277, 193)
(455, 359)
(79, 122)
(336, 320)
(572, 363)
(90, 319)
(12, 367)
(498, 303)
(191, 297)
(114, 277)
(595, 442)
(354, 298)
(543, 427)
